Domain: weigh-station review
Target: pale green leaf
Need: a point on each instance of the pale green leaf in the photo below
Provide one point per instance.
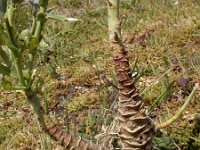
(13, 72)
(4, 57)
(60, 17)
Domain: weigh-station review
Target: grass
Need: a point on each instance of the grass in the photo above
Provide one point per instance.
(71, 66)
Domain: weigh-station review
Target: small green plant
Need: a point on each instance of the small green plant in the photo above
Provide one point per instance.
(17, 55)
(18, 52)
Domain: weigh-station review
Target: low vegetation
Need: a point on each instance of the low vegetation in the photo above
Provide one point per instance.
(75, 80)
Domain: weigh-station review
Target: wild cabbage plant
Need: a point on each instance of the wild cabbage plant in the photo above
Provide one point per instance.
(17, 59)
(18, 53)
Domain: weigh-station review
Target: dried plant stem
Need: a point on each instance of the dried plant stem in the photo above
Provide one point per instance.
(70, 142)
(56, 131)
(136, 128)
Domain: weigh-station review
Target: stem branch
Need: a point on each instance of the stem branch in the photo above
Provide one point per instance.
(179, 113)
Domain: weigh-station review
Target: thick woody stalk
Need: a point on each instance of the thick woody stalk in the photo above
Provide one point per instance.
(70, 142)
(56, 131)
(137, 128)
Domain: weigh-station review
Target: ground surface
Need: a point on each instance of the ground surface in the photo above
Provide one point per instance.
(163, 40)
